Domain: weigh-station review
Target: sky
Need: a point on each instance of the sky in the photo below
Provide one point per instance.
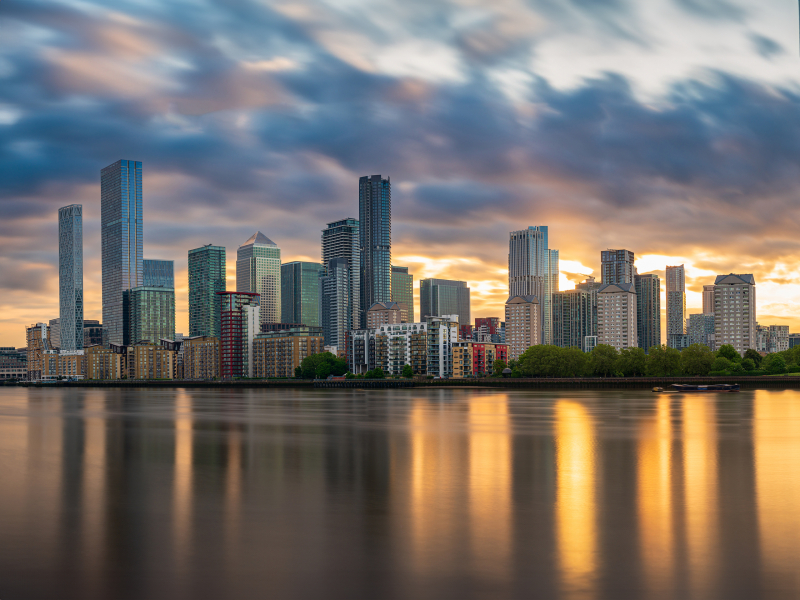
(667, 127)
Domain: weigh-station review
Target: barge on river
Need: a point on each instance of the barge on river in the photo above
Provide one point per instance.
(694, 388)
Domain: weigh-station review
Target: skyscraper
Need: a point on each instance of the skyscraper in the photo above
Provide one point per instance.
(573, 318)
(121, 237)
(533, 271)
(336, 315)
(300, 301)
(676, 304)
(440, 297)
(158, 273)
(616, 266)
(206, 278)
(341, 239)
(648, 310)
(258, 271)
(70, 276)
(735, 311)
(375, 232)
(152, 313)
(239, 324)
(708, 299)
(403, 289)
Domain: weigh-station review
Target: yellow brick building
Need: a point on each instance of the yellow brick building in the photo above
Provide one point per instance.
(278, 353)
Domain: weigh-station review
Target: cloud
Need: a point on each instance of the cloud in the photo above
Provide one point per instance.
(766, 47)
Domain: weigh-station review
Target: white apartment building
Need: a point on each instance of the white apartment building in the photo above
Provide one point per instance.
(735, 311)
(616, 315)
(523, 324)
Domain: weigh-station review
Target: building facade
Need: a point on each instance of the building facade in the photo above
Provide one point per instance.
(121, 238)
(616, 266)
(158, 273)
(336, 314)
(240, 322)
(573, 318)
(149, 361)
(708, 299)
(616, 315)
(676, 302)
(375, 232)
(700, 329)
(341, 240)
(92, 332)
(475, 359)
(206, 278)
(258, 271)
(300, 289)
(70, 276)
(279, 353)
(439, 297)
(442, 334)
(201, 357)
(403, 290)
(390, 348)
(523, 324)
(385, 313)
(648, 310)
(103, 363)
(152, 313)
(38, 342)
(735, 311)
(533, 271)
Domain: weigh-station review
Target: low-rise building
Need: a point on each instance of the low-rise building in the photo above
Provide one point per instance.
(472, 359)
(279, 353)
(103, 363)
(201, 357)
(38, 342)
(149, 361)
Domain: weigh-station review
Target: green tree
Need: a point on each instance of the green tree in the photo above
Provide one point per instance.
(663, 361)
(631, 362)
(542, 360)
(748, 364)
(602, 360)
(323, 370)
(775, 364)
(498, 366)
(721, 364)
(753, 355)
(729, 352)
(312, 366)
(697, 359)
(737, 368)
(574, 362)
(408, 372)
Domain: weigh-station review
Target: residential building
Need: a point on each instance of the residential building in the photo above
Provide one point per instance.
(679, 341)
(103, 363)
(279, 353)
(390, 348)
(92, 332)
(762, 339)
(201, 357)
(341, 239)
(149, 361)
(385, 313)
(616, 315)
(492, 325)
(467, 332)
(735, 311)
(121, 242)
(375, 232)
(648, 310)
(442, 334)
(475, 359)
(258, 271)
(403, 290)
(71, 364)
(300, 289)
(13, 365)
(772, 338)
(676, 302)
(794, 340)
(523, 324)
(708, 299)
(55, 334)
(70, 276)
(206, 278)
(38, 342)
(616, 266)
(533, 271)
(591, 285)
(573, 318)
(240, 323)
(152, 313)
(158, 273)
(438, 297)
(701, 330)
(336, 314)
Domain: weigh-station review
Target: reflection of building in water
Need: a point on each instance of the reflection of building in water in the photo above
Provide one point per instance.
(182, 482)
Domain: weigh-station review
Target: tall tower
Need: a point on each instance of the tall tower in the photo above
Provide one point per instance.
(341, 239)
(403, 289)
(375, 219)
(70, 276)
(258, 271)
(336, 316)
(440, 297)
(648, 310)
(300, 293)
(206, 278)
(533, 271)
(121, 237)
(708, 299)
(676, 302)
(616, 266)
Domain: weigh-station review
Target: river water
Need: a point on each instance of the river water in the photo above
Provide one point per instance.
(419, 494)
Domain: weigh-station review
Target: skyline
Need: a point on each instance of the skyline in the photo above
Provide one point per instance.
(594, 122)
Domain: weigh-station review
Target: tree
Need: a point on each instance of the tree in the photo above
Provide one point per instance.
(540, 361)
(323, 370)
(663, 361)
(574, 362)
(312, 366)
(729, 352)
(721, 364)
(775, 364)
(697, 359)
(498, 366)
(602, 360)
(408, 372)
(753, 355)
(631, 362)
(748, 364)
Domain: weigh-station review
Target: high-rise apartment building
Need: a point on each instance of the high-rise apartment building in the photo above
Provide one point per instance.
(616, 315)
(70, 276)
(336, 314)
(573, 318)
(523, 324)
(55, 333)
(648, 310)
(735, 311)
(341, 239)
(403, 289)
(206, 278)
(616, 266)
(439, 297)
(158, 273)
(700, 329)
(676, 303)
(375, 231)
(239, 324)
(258, 271)
(708, 299)
(533, 271)
(300, 288)
(121, 238)
(38, 343)
(152, 313)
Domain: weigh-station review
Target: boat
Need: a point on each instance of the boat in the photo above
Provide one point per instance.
(711, 387)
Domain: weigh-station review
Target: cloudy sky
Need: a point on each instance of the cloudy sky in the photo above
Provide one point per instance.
(667, 127)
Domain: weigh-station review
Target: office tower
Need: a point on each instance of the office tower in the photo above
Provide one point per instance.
(239, 324)
(676, 304)
(206, 278)
(152, 314)
(385, 313)
(708, 299)
(701, 329)
(336, 314)
(258, 271)
(92, 332)
(439, 297)
(158, 273)
(341, 239)
(38, 342)
(616, 266)
(648, 310)
(573, 318)
(403, 289)
(70, 276)
(616, 315)
(55, 333)
(121, 237)
(375, 233)
(735, 311)
(533, 271)
(523, 324)
(300, 300)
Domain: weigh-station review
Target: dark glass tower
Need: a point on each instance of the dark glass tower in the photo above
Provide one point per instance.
(206, 278)
(375, 221)
(300, 293)
(648, 310)
(121, 235)
(70, 276)
(341, 239)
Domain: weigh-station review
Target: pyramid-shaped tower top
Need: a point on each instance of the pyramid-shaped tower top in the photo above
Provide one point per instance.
(259, 239)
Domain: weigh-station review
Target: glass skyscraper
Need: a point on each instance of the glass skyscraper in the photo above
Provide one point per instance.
(121, 237)
(616, 266)
(158, 273)
(258, 271)
(403, 289)
(70, 276)
(440, 297)
(336, 316)
(152, 313)
(648, 310)
(341, 239)
(300, 293)
(375, 221)
(206, 278)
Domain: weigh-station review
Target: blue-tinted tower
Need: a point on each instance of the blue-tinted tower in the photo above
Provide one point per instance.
(375, 231)
(158, 273)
